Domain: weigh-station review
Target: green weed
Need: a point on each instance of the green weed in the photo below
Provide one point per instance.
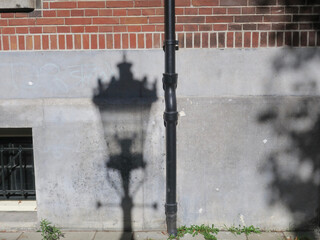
(49, 232)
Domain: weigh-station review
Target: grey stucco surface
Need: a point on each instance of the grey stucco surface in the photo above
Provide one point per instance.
(241, 152)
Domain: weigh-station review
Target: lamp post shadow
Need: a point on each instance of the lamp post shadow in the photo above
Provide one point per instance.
(124, 105)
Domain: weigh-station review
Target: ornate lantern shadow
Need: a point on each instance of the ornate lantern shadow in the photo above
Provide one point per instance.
(124, 106)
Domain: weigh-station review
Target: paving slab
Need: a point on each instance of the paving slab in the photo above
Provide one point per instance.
(301, 235)
(267, 236)
(113, 236)
(78, 235)
(150, 236)
(230, 236)
(9, 236)
(30, 235)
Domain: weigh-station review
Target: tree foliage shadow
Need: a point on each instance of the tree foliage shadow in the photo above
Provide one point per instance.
(124, 106)
(295, 166)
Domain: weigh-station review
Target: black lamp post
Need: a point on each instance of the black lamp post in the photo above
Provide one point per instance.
(170, 116)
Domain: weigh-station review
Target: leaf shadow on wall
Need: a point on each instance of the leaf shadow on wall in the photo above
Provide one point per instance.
(294, 166)
(124, 106)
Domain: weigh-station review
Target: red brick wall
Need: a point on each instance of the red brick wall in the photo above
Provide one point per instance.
(138, 24)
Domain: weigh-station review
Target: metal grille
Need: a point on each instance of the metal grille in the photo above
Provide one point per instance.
(17, 172)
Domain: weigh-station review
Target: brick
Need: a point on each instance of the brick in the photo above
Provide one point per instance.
(148, 3)
(29, 42)
(291, 2)
(120, 29)
(105, 20)
(0, 44)
(5, 42)
(49, 29)
(19, 22)
(238, 40)
(189, 40)
(3, 22)
(191, 27)
(22, 30)
(45, 5)
(280, 39)
(63, 29)
(248, 10)
(263, 39)
(119, 4)
(85, 41)
(292, 26)
(148, 40)
(21, 15)
(140, 40)
(94, 41)
(49, 13)
(125, 41)
(191, 11)
(69, 41)
(159, 28)
(296, 39)
(233, 2)
(220, 27)
(219, 19)
(133, 40)
(13, 43)
(305, 26)
(205, 2)
(53, 42)
(234, 10)
(63, 13)
(148, 28)
(221, 40)
(213, 40)
(249, 26)
(302, 18)
(230, 39)
(263, 10)
(117, 41)
(77, 13)
(248, 18)
(22, 45)
(205, 40)
(105, 12)
(62, 42)
(179, 27)
(277, 10)
(318, 38)
(119, 12)
(304, 39)
(109, 41)
(35, 29)
(63, 4)
(205, 11)
(196, 40)
(8, 30)
(134, 12)
(7, 15)
(50, 21)
(178, 11)
(91, 12)
(247, 40)
(290, 9)
(219, 10)
(255, 39)
(288, 38)
(277, 18)
(190, 19)
(153, 20)
(234, 27)
(77, 29)
(205, 27)
(150, 11)
(37, 42)
(278, 26)
(78, 21)
(183, 3)
(101, 29)
(312, 39)
(91, 4)
(136, 28)
(156, 40)
(271, 39)
(262, 2)
(45, 42)
(77, 41)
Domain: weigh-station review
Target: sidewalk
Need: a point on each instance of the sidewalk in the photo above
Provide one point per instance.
(98, 235)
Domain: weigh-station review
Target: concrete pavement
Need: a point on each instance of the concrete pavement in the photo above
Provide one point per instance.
(103, 235)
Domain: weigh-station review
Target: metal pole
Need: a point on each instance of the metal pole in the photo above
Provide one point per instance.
(170, 116)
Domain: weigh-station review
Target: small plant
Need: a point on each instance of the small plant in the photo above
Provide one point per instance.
(207, 231)
(243, 229)
(49, 232)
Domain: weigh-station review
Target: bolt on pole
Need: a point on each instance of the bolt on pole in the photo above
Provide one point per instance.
(170, 116)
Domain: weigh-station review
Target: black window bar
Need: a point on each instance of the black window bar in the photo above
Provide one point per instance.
(17, 172)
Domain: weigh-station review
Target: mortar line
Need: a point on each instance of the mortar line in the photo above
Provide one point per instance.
(19, 236)
(94, 235)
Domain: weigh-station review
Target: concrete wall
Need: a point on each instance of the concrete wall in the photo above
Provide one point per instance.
(248, 136)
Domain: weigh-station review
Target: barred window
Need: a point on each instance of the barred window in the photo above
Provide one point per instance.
(17, 180)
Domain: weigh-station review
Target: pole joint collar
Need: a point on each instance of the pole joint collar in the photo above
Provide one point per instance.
(170, 117)
(170, 42)
(170, 80)
(171, 208)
